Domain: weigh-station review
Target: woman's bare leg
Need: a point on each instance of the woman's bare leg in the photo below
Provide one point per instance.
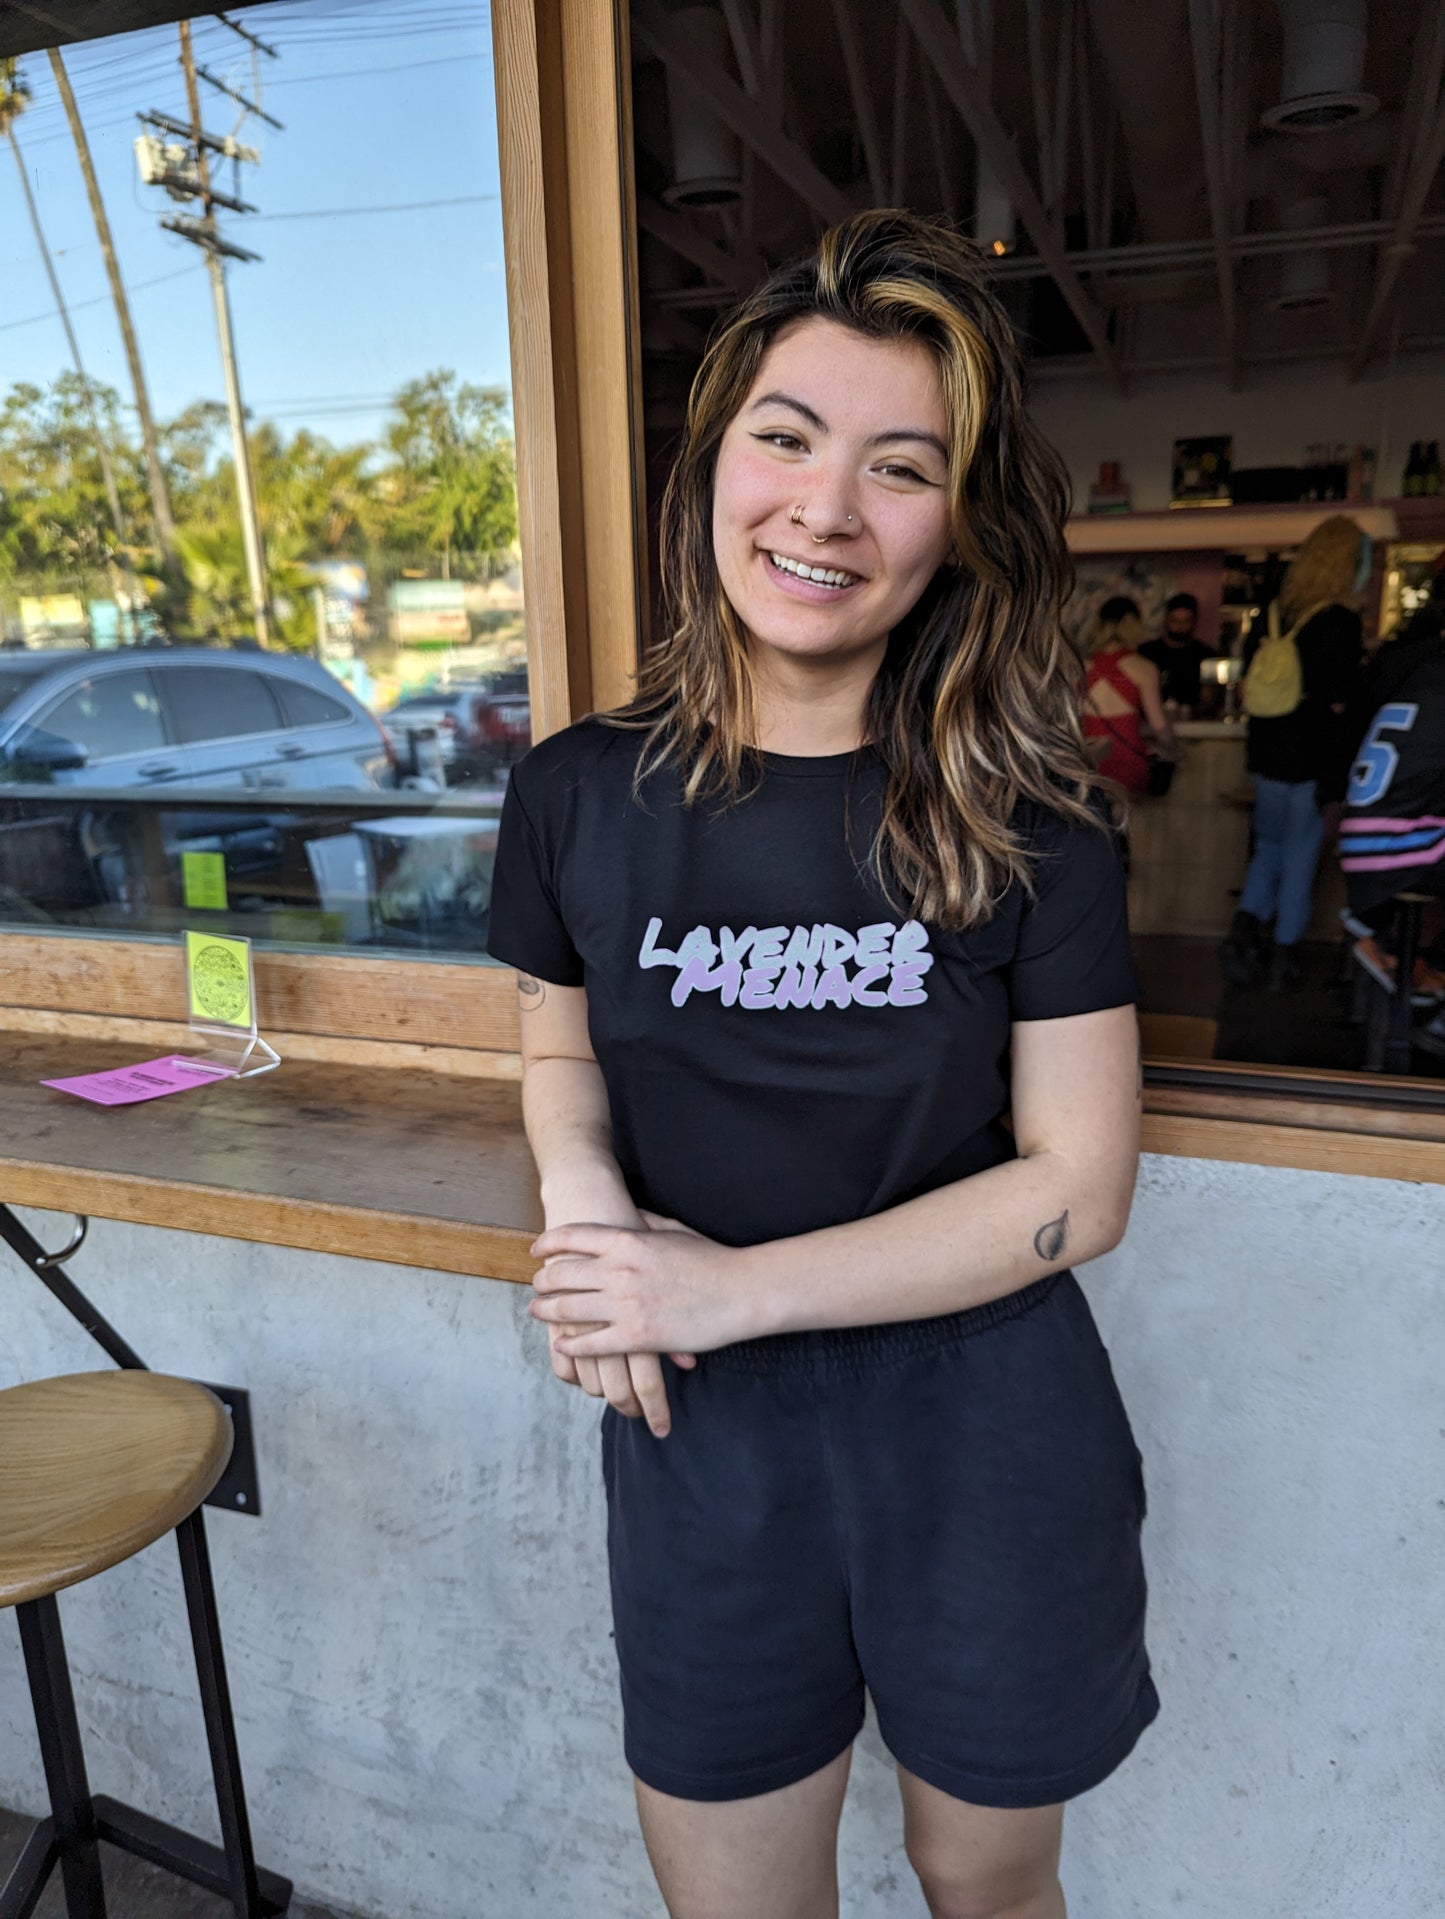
(980, 1862)
(774, 1856)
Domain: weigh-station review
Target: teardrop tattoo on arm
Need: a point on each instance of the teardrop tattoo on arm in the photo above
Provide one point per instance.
(1050, 1240)
(531, 991)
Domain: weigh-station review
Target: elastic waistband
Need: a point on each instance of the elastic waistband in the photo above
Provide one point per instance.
(856, 1349)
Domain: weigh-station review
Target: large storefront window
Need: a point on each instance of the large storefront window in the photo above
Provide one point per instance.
(262, 654)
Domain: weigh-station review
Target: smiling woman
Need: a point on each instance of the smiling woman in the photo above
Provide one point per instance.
(858, 805)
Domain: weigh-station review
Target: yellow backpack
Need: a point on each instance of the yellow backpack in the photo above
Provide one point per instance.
(1274, 684)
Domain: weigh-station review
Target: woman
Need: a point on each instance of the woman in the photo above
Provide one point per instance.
(1122, 692)
(1300, 758)
(798, 931)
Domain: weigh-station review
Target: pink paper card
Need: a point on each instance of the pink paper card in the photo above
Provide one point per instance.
(152, 1079)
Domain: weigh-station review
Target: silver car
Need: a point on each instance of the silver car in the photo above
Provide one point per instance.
(185, 716)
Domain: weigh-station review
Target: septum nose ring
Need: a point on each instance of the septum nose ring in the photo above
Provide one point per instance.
(818, 539)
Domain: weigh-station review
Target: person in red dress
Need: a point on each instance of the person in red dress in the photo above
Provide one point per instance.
(1121, 696)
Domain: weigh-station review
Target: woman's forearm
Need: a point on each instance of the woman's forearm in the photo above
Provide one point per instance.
(957, 1247)
(569, 1128)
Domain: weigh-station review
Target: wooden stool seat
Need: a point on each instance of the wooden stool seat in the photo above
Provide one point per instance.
(95, 1466)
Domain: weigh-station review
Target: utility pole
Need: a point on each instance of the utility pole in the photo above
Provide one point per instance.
(185, 172)
(155, 474)
(245, 479)
(120, 565)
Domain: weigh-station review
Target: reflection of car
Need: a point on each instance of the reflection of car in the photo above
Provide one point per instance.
(480, 725)
(506, 718)
(452, 716)
(184, 716)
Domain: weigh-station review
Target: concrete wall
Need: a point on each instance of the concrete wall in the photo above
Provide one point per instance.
(418, 1632)
(1278, 412)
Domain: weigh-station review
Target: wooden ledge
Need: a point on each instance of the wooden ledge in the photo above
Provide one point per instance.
(432, 1169)
(420, 1169)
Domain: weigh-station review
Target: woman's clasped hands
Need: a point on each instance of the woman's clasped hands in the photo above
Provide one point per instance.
(612, 1293)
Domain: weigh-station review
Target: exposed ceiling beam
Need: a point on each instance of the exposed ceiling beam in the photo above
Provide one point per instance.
(947, 181)
(898, 172)
(1206, 35)
(864, 110)
(1192, 256)
(739, 271)
(746, 50)
(656, 33)
(1039, 82)
(1088, 136)
(969, 94)
(1423, 140)
(1057, 186)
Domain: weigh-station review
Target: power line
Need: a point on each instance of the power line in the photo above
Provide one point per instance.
(399, 206)
(101, 300)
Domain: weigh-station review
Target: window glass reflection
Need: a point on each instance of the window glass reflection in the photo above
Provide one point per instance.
(296, 644)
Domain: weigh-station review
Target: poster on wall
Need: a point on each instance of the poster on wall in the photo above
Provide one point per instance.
(1201, 472)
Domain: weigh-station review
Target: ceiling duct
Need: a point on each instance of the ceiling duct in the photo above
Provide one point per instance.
(1303, 285)
(995, 223)
(1324, 67)
(707, 169)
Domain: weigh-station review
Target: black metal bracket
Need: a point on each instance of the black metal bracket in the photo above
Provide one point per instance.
(238, 1490)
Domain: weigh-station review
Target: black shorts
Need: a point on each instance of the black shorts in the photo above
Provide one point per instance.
(944, 1511)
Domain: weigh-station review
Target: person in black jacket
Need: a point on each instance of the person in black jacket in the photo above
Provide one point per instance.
(1392, 838)
(1301, 760)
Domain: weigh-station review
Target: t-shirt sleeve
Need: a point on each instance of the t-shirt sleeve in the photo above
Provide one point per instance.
(525, 928)
(1073, 952)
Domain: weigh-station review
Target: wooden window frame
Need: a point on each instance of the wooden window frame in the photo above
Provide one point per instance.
(563, 79)
(562, 70)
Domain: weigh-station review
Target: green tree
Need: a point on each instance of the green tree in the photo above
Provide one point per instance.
(54, 515)
(451, 483)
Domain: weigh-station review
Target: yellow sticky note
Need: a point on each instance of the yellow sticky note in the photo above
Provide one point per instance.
(203, 880)
(218, 981)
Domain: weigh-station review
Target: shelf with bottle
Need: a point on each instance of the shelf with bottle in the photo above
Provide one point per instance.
(1424, 477)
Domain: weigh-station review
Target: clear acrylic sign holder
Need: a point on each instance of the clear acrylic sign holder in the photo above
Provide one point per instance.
(221, 999)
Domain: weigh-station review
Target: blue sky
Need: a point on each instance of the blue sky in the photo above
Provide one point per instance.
(382, 105)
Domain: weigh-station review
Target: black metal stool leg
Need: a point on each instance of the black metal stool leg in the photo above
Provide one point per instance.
(220, 1724)
(64, 1758)
(1397, 1043)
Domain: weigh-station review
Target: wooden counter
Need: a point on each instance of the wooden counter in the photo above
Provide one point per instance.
(1190, 849)
(425, 1169)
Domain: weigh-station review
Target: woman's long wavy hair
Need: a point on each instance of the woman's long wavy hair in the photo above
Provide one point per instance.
(975, 706)
(1322, 572)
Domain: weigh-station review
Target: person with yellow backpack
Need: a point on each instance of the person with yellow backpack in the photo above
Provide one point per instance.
(1298, 694)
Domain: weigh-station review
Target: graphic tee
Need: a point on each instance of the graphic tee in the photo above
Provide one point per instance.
(782, 1049)
(1392, 838)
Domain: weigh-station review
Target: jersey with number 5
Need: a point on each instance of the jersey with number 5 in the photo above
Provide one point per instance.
(1395, 807)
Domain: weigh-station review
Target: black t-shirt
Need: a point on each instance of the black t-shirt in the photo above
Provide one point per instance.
(1392, 838)
(1314, 742)
(780, 1054)
(1178, 665)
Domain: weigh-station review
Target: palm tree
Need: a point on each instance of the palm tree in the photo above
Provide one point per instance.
(14, 98)
(155, 472)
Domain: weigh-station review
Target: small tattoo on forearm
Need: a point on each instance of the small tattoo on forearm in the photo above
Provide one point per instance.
(1141, 1069)
(532, 992)
(1050, 1240)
